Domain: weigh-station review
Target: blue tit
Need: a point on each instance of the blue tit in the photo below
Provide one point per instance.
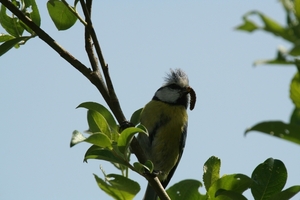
(166, 120)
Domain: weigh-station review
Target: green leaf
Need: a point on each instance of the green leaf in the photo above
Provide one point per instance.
(11, 25)
(139, 167)
(34, 15)
(211, 170)
(231, 194)
(268, 178)
(135, 117)
(149, 166)
(95, 152)
(6, 46)
(237, 183)
(297, 8)
(248, 26)
(97, 123)
(100, 140)
(118, 187)
(142, 168)
(279, 129)
(5, 37)
(97, 139)
(286, 194)
(273, 62)
(295, 117)
(126, 137)
(60, 14)
(295, 51)
(103, 111)
(295, 90)
(77, 137)
(187, 189)
(281, 59)
(270, 25)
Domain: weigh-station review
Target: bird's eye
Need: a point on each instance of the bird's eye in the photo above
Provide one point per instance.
(174, 86)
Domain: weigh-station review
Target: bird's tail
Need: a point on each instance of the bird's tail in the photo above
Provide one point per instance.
(150, 193)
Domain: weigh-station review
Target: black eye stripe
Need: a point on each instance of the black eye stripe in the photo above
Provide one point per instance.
(174, 86)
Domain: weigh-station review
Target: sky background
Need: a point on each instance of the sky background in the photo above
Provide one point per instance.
(141, 41)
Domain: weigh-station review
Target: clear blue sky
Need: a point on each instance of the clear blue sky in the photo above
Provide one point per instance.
(141, 41)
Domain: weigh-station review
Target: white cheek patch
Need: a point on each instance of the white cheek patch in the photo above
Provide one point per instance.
(167, 95)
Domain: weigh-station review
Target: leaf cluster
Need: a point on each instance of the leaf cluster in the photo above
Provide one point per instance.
(15, 28)
(290, 33)
(112, 145)
(266, 182)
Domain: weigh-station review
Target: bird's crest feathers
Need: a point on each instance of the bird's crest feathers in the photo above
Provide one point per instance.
(177, 77)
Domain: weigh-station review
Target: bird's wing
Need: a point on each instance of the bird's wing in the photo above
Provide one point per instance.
(181, 148)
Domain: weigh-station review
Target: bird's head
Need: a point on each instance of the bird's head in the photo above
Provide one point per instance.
(176, 90)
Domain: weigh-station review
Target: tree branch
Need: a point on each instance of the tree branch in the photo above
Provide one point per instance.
(89, 43)
(54, 45)
(113, 101)
(94, 76)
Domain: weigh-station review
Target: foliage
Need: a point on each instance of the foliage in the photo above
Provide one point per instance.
(15, 28)
(110, 145)
(290, 33)
(266, 182)
(110, 142)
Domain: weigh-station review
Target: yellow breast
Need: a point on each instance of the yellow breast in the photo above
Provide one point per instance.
(165, 124)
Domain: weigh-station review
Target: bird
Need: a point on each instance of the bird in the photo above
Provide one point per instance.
(166, 120)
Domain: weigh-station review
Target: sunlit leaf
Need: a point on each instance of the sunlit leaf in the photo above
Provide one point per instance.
(269, 25)
(279, 129)
(118, 187)
(234, 182)
(77, 137)
(248, 26)
(230, 194)
(10, 24)
(126, 136)
(97, 123)
(297, 8)
(281, 58)
(6, 46)
(211, 171)
(97, 139)
(103, 111)
(187, 189)
(273, 62)
(60, 14)
(269, 179)
(295, 90)
(5, 37)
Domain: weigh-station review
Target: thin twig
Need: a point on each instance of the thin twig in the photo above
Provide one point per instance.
(89, 47)
(114, 102)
